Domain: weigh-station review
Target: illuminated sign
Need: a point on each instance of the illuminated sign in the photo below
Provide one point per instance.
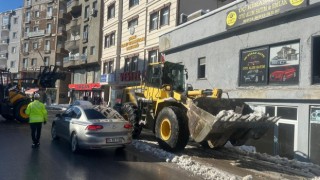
(85, 87)
(130, 76)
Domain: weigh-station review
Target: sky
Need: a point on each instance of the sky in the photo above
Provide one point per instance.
(6, 5)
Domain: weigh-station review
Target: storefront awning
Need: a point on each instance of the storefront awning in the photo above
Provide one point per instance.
(85, 87)
(31, 91)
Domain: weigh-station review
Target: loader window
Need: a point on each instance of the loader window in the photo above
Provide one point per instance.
(153, 76)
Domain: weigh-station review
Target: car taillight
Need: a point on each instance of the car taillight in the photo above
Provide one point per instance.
(94, 127)
(127, 126)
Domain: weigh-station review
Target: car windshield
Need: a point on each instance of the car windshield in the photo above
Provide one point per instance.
(93, 114)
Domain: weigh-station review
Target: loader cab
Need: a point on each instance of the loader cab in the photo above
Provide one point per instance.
(167, 73)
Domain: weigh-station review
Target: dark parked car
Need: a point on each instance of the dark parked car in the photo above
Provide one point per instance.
(254, 76)
(283, 74)
(86, 127)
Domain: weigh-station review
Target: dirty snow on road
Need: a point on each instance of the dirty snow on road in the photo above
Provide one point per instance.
(206, 171)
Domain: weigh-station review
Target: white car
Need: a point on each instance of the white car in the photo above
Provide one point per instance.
(86, 127)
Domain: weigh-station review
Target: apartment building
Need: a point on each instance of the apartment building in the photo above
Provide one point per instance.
(268, 57)
(131, 38)
(43, 28)
(10, 33)
(84, 43)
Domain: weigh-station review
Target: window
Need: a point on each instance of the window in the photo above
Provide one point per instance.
(94, 5)
(131, 64)
(201, 67)
(13, 49)
(85, 32)
(133, 3)
(35, 45)
(35, 29)
(14, 35)
(27, 16)
(84, 50)
(86, 12)
(25, 62)
(111, 11)
(108, 67)
(26, 47)
(15, 20)
(316, 60)
(34, 62)
(154, 21)
(27, 30)
(133, 23)
(164, 16)
(49, 12)
(92, 50)
(48, 30)
(46, 61)
(47, 46)
(153, 56)
(37, 14)
(109, 40)
(12, 64)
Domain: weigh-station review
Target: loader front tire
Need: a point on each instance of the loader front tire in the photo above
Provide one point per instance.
(19, 111)
(171, 129)
(129, 113)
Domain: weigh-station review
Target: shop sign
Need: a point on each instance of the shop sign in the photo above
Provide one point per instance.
(130, 76)
(260, 9)
(132, 43)
(254, 66)
(107, 78)
(85, 87)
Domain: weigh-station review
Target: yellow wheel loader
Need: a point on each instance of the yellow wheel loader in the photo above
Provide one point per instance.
(175, 111)
(13, 101)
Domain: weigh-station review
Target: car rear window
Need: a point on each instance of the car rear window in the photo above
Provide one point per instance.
(93, 114)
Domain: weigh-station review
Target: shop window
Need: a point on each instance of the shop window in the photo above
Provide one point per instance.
(274, 65)
(111, 11)
(314, 134)
(201, 67)
(286, 140)
(316, 60)
(287, 113)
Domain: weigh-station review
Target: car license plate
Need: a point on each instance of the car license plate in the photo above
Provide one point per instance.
(113, 140)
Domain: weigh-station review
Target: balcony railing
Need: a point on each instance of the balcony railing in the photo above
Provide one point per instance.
(5, 27)
(4, 40)
(35, 33)
(27, 20)
(3, 52)
(73, 44)
(4, 56)
(74, 59)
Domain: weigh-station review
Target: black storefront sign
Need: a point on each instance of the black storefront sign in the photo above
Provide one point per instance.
(260, 9)
(254, 66)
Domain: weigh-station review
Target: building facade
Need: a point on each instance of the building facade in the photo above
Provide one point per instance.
(84, 46)
(131, 38)
(10, 34)
(43, 28)
(266, 54)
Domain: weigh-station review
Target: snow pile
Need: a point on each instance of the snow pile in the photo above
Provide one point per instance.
(185, 162)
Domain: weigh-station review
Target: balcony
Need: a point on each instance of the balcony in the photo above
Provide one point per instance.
(73, 6)
(5, 28)
(72, 45)
(74, 60)
(62, 15)
(27, 20)
(61, 49)
(4, 40)
(34, 34)
(62, 32)
(74, 25)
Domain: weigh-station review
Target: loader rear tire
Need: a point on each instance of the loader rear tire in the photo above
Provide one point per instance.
(19, 111)
(172, 131)
(129, 113)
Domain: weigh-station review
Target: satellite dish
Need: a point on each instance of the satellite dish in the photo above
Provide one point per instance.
(131, 29)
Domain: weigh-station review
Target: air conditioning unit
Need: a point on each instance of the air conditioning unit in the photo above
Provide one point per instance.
(196, 14)
(93, 12)
(183, 18)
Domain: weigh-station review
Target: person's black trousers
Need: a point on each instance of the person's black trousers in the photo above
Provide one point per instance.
(35, 132)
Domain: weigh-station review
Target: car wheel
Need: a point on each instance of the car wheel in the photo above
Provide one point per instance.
(54, 135)
(74, 143)
(284, 78)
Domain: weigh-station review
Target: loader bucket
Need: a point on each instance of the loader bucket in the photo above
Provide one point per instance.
(218, 121)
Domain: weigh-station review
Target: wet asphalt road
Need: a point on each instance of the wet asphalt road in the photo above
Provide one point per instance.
(54, 159)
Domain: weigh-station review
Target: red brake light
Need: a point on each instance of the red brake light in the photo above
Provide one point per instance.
(127, 126)
(94, 127)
